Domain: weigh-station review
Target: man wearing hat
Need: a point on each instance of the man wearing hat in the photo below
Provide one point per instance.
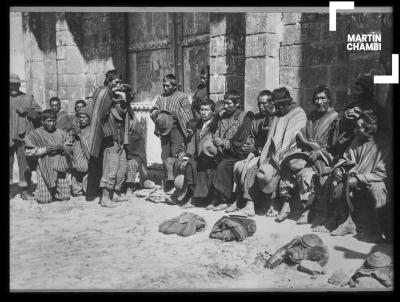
(364, 180)
(24, 113)
(263, 172)
(81, 154)
(102, 101)
(177, 104)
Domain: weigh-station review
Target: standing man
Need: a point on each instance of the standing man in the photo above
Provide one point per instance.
(200, 94)
(24, 111)
(102, 101)
(176, 103)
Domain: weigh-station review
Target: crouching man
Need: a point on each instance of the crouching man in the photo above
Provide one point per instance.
(49, 145)
(364, 177)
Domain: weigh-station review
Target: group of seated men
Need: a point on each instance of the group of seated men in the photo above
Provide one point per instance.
(101, 146)
(321, 168)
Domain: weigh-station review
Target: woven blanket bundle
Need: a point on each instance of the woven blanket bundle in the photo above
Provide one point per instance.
(230, 228)
(184, 225)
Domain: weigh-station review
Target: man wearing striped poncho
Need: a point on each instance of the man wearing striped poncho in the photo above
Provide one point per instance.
(49, 146)
(177, 103)
(281, 141)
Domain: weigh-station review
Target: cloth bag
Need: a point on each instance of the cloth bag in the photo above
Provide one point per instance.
(232, 227)
(184, 225)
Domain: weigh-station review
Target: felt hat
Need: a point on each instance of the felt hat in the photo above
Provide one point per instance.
(181, 187)
(163, 122)
(310, 240)
(268, 178)
(14, 78)
(209, 149)
(366, 81)
(295, 162)
(378, 259)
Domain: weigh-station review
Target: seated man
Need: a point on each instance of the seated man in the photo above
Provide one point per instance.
(257, 138)
(200, 167)
(313, 140)
(49, 146)
(362, 174)
(281, 141)
(231, 118)
(81, 154)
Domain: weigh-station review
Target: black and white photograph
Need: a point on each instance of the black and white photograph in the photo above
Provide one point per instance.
(201, 149)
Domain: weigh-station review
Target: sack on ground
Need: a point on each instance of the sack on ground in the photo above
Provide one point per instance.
(230, 228)
(184, 225)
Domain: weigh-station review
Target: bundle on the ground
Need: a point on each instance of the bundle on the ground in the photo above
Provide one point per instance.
(376, 271)
(232, 227)
(310, 248)
(184, 225)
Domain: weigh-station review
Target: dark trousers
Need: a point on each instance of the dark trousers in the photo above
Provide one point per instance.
(171, 143)
(23, 167)
(223, 176)
(94, 175)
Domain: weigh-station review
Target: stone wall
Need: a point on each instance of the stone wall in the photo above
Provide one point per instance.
(227, 54)
(68, 54)
(311, 55)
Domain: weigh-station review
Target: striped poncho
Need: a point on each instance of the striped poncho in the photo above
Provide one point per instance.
(49, 165)
(281, 139)
(81, 150)
(178, 105)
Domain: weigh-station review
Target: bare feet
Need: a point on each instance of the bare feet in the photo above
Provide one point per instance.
(188, 205)
(320, 229)
(232, 208)
(106, 201)
(303, 218)
(249, 208)
(284, 213)
(271, 212)
(210, 207)
(26, 196)
(221, 207)
(347, 227)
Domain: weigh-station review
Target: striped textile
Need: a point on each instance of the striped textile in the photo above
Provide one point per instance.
(114, 168)
(281, 139)
(44, 194)
(81, 151)
(102, 102)
(21, 125)
(179, 106)
(49, 165)
(75, 122)
(132, 170)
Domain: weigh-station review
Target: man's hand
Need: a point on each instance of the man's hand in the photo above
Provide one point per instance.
(353, 181)
(338, 175)
(248, 148)
(52, 149)
(352, 113)
(314, 156)
(180, 155)
(154, 114)
(218, 142)
(21, 110)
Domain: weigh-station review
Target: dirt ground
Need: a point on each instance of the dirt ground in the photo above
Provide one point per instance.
(79, 245)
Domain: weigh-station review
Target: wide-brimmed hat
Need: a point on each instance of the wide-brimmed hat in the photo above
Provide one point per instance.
(14, 78)
(310, 240)
(181, 187)
(378, 259)
(209, 149)
(268, 178)
(163, 122)
(295, 162)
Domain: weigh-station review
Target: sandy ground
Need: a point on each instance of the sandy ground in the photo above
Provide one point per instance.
(79, 245)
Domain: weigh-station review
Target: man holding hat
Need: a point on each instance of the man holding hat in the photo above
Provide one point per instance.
(173, 136)
(24, 112)
(263, 172)
(102, 101)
